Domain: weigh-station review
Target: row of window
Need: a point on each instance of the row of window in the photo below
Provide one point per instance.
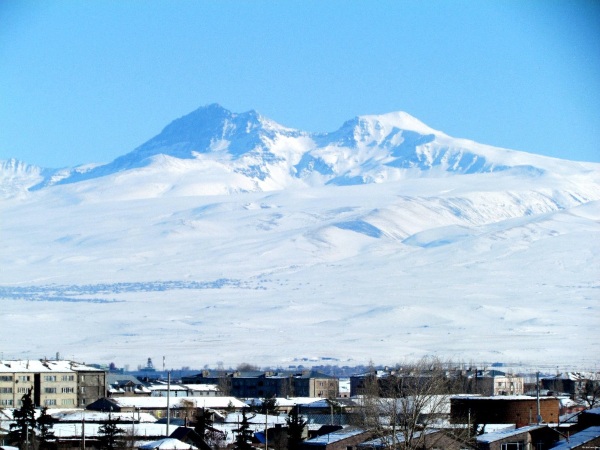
(64, 402)
(46, 378)
(62, 378)
(20, 378)
(24, 390)
(65, 390)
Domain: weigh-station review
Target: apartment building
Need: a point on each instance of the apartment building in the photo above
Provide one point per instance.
(259, 384)
(55, 384)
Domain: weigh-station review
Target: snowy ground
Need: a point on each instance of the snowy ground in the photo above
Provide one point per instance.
(489, 267)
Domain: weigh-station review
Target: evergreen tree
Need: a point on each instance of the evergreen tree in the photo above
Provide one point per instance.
(46, 438)
(296, 424)
(204, 423)
(22, 430)
(243, 439)
(269, 406)
(205, 428)
(109, 434)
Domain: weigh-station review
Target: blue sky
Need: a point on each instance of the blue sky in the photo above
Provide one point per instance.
(87, 81)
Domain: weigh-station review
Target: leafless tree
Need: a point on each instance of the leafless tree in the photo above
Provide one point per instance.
(402, 405)
(590, 392)
(188, 411)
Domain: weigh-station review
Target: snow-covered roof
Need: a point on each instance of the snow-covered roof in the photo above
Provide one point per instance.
(260, 419)
(99, 416)
(74, 430)
(385, 442)
(167, 444)
(578, 439)
(593, 411)
(498, 435)
(177, 402)
(499, 397)
(572, 376)
(43, 366)
(335, 436)
(202, 387)
(287, 402)
(165, 387)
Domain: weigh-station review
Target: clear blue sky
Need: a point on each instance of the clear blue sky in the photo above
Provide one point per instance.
(87, 81)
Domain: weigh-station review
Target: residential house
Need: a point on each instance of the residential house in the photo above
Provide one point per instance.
(121, 385)
(203, 390)
(495, 382)
(346, 438)
(581, 387)
(534, 437)
(517, 409)
(433, 439)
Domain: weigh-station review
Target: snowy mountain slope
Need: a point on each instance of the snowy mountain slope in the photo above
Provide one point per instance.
(217, 152)
(383, 241)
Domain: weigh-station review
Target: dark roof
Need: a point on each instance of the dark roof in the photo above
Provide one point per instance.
(336, 436)
(120, 379)
(189, 435)
(592, 411)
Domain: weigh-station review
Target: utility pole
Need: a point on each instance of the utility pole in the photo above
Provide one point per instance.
(266, 429)
(168, 400)
(537, 382)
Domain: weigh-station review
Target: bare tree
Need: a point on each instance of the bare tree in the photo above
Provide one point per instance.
(402, 405)
(590, 392)
(188, 411)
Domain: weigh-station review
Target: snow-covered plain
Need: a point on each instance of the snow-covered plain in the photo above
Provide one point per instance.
(244, 241)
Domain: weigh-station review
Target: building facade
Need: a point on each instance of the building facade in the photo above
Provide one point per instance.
(54, 384)
(256, 384)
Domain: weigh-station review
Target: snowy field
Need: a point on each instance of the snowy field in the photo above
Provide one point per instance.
(382, 272)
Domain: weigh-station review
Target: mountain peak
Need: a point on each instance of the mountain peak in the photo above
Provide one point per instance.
(400, 120)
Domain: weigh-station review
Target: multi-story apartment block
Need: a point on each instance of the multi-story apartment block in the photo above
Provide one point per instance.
(55, 384)
(257, 384)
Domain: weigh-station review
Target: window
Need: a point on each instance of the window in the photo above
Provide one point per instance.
(22, 390)
(24, 378)
(49, 377)
(50, 402)
(513, 446)
(6, 390)
(68, 378)
(6, 402)
(68, 390)
(6, 378)
(50, 390)
(68, 401)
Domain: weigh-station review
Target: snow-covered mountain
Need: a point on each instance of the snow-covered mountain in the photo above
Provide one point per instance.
(215, 151)
(228, 237)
